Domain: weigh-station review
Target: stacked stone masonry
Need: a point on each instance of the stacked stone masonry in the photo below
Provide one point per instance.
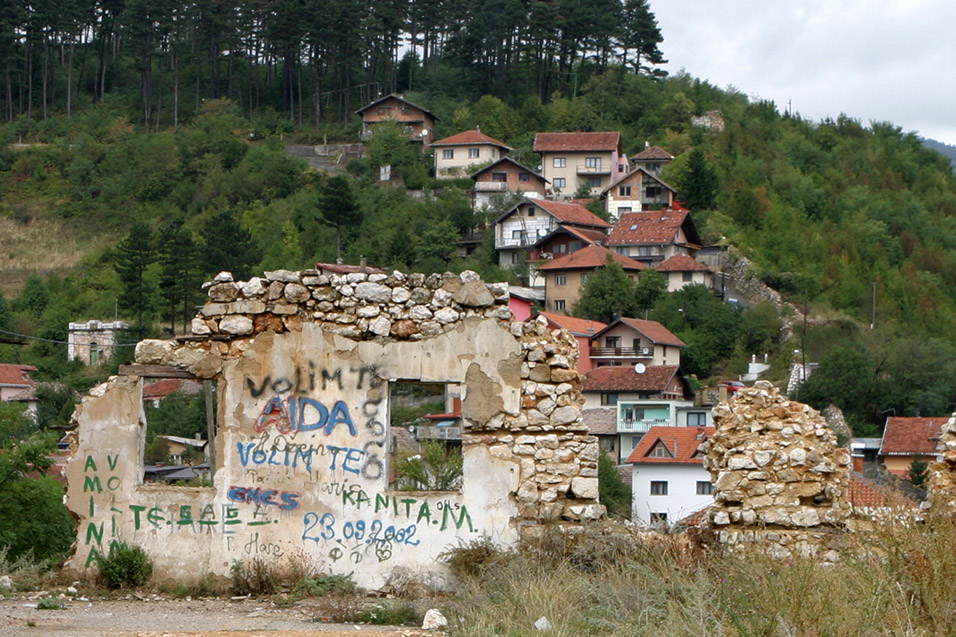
(780, 478)
(529, 462)
(942, 475)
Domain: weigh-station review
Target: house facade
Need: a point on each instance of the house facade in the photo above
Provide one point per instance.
(637, 191)
(907, 438)
(669, 482)
(628, 341)
(93, 342)
(517, 230)
(654, 236)
(653, 159)
(682, 270)
(418, 121)
(505, 176)
(570, 160)
(564, 277)
(455, 155)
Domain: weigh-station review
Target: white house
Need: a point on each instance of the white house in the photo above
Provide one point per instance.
(669, 481)
(517, 230)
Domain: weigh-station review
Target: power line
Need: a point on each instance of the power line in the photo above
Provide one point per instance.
(56, 342)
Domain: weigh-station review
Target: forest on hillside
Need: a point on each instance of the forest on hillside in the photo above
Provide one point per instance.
(158, 155)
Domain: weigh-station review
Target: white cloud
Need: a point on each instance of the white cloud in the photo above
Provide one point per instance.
(881, 60)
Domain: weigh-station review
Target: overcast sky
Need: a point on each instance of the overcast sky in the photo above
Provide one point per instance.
(879, 60)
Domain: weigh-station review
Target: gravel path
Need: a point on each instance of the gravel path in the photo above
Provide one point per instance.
(178, 618)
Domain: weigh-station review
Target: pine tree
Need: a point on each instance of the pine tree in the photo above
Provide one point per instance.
(133, 255)
(228, 247)
(178, 261)
(698, 184)
(337, 205)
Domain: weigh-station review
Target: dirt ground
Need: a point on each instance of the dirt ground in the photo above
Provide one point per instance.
(179, 618)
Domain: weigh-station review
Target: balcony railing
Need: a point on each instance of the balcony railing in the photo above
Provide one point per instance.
(583, 169)
(438, 433)
(491, 186)
(641, 426)
(622, 352)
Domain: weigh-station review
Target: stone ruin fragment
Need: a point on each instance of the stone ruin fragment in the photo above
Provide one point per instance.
(780, 477)
(942, 473)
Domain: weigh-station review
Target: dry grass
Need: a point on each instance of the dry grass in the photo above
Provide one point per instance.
(899, 580)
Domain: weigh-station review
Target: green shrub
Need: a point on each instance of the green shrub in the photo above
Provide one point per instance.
(389, 613)
(51, 603)
(267, 577)
(472, 558)
(126, 566)
(613, 492)
(323, 585)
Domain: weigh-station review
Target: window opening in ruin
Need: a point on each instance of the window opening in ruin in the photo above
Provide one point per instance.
(425, 436)
(179, 445)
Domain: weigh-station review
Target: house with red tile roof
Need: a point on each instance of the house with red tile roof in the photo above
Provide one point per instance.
(907, 438)
(652, 159)
(564, 277)
(564, 240)
(654, 236)
(583, 331)
(642, 397)
(669, 482)
(570, 160)
(17, 386)
(503, 178)
(518, 229)
(455, 155)
(419, 122)
(628, 341)
(682, 270)
(638, 190)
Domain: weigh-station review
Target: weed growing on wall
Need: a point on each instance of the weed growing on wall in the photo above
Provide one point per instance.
(126, 566)
(437, 468)
(471, 558)
(268, 577)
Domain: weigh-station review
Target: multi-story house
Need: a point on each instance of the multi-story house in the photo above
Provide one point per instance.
(628, 341)
(652, 159)
(564, 277)
(570, 160)
(668, 480)
(654, 236)
(638, 190)
(583, 330)
(505, 176)
(419, 122)
(456, 155)
(906, 439)
(681, 270)
(531, 219)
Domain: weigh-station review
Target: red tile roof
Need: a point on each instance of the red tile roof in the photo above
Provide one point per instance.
(653, 152)
(681, 442)
(864, 493)
(336, 268)
(576, 142)
(623, 378)
(644, 175)
(600, 422)
(571, 213)
(647, 228)
(509, 160)
(681, 263)
(400, 98)
(589, 258)
(470, 137)
(157, 390)
(904, 436)
(17, 375)
(583, 327)
(653, 330)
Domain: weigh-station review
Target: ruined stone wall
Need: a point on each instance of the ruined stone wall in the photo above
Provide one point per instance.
(780, 478)
(301, 443)
(941, 489)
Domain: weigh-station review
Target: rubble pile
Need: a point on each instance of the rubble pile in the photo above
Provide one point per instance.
(942, 474)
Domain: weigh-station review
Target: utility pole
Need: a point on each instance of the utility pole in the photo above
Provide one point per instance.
(873, 311)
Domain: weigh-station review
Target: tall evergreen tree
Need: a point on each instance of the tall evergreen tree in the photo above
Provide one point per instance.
(698, 185)
(179, 266)
(228, 247)
(133, 255)
(337, 207)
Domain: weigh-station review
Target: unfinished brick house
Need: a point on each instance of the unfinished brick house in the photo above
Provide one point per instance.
(298, 368)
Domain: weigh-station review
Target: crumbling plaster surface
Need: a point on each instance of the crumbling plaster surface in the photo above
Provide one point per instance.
(302, 364)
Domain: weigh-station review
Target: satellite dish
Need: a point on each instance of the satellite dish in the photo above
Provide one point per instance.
(640, 368)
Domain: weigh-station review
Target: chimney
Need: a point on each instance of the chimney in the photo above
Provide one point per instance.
(647, 144)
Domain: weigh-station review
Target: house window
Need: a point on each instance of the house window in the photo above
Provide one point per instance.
(696, 419)
(561, 248)
(574, 246)
(608, 399)
(592, 162)
(423, 439)
(653, 192)
(94, 354)
(630, 414)
(499, 177)
(524, 177)
(687, 276)
(384, 110)
(658, 487)
(560, 279)
(624, 191)
(623, 209)
(584, 278)
(560, 162)
(636, 343)
(473, 153)
(516, 235)
(531, 211)
(516, 257)
(612, 341)
(559, 305)
(660, 450)
(620, 168)
(560, 182)
(594, 182)
(658, 519)
(448, 153)
(704, 487)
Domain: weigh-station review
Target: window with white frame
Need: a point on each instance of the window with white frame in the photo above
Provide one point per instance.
(560, 182)
(448, 153)
(658, 487)
(473, 153)
(592, 162)
(559, 305)
(704, 487)
(560, 162)
(560, 279)
(696, 419)
(608, 399)
(660, 450)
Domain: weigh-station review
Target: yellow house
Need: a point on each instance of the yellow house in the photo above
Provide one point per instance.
(455, 155)
(905, 439)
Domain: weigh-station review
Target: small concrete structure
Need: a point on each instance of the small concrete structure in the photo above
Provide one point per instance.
(93, 342)
(300, 443)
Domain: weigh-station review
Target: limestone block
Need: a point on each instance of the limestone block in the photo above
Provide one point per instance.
(238, 325)
(473, 293)
(447, 315)
(368, 311)
(380, 326)
(296, 293)
(284, 276)
(374, 292)
(198, 327)
(153, 351)
(224, 292)
(586, 488)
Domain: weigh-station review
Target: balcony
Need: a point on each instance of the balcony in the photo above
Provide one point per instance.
(434, 432)
(622, 352)
(583, 169)
(641, 426)
(491, 186)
